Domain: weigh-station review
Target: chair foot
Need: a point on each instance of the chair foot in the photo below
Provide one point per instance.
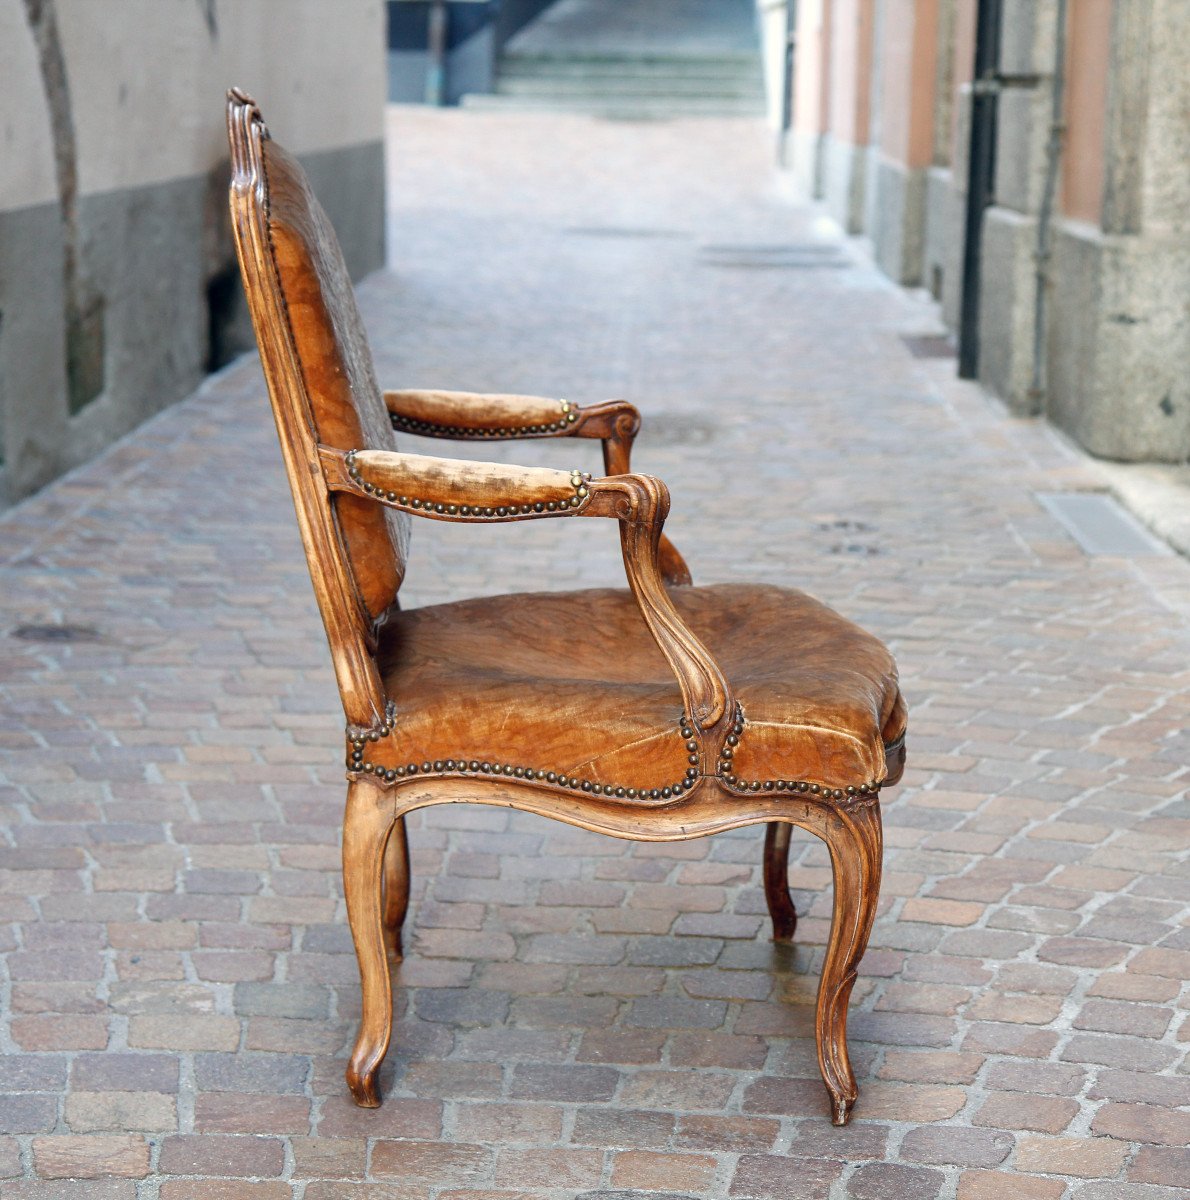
(776, 880)
(362, 1076)
(855, 841)
(367, 823)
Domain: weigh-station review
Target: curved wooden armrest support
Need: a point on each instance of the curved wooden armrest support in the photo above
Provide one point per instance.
(622, 424)
(457, 490)
(642, 503)
(474, 416)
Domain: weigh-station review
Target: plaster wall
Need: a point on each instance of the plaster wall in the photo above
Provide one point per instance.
(1089, 56)
(804, 148)
(849, 70)
(117, 281)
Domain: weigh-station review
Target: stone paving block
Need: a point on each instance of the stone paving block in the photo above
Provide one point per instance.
(882, 1180)
(70, 1157)
(100, 1112)
(223, 1189)
(1088, 1158)
(956, 1147)
(548, 1168)
(218, 1154)
(646, 1170)
(990, 1185)
(1143, 1123)
(776, 1177)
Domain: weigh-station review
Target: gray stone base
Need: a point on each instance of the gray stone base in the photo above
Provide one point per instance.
(803, 159)
(1119, 343)
(1007, 287)
(896, 219)
(843, 178)
(942, 243)
(156, 265)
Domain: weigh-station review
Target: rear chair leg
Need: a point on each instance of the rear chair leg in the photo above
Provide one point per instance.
(366, 828)
(776, 880)
(396, 889)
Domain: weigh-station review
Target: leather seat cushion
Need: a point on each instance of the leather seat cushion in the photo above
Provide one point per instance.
(572, 682)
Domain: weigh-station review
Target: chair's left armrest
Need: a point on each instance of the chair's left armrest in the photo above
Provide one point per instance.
(456, 489)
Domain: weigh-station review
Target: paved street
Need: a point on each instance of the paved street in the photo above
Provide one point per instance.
(581, 1017)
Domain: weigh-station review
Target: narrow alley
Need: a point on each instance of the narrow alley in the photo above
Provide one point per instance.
(582, 1017)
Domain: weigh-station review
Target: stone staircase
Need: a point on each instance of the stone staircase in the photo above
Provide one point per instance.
(627, 85)
(617, 58)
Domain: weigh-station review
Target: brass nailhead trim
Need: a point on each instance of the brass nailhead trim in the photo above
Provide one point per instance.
(578, 481)
(432, 429)
(733, 781)
(465, 767)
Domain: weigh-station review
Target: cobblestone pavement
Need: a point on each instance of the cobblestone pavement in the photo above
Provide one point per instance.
(581, 1017)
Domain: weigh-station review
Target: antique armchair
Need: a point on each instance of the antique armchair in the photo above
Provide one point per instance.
(660, 711)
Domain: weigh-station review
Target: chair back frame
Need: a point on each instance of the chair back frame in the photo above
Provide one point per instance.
(350, 625)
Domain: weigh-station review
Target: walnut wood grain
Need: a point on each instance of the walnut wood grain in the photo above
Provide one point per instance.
(805, 730)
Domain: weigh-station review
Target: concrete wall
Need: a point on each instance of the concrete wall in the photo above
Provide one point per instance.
(1120, 328)
(117, 280)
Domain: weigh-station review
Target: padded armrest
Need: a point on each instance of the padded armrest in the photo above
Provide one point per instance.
(456, 489)
(466, 416)
(460, 490)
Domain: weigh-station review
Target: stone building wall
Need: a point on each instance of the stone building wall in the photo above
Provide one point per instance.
(1115, 300)
(118, 288)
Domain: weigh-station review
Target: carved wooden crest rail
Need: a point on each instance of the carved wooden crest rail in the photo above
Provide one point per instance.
(660, 711)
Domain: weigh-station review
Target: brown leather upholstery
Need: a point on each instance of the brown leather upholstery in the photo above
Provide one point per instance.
(345, 402)
(573, 683)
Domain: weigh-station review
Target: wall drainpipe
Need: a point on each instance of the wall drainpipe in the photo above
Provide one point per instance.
(789, 66)
(981, 171)
(1045, 214)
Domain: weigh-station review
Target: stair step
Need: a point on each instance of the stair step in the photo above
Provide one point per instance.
(622, 107)
(675, 64)
(631, 85)
(690, 72)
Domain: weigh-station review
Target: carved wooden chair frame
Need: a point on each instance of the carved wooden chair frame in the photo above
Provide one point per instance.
(381, 789)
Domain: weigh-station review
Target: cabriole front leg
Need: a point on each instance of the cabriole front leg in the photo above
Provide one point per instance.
(855, 841)
(366, 828)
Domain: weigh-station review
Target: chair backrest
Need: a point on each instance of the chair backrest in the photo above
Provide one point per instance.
(323, 390)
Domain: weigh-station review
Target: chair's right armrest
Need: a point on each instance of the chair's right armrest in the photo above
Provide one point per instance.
(500, 416)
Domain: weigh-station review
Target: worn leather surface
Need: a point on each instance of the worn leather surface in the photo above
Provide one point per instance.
(468, 410)
(347, 409)
(572, 682)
